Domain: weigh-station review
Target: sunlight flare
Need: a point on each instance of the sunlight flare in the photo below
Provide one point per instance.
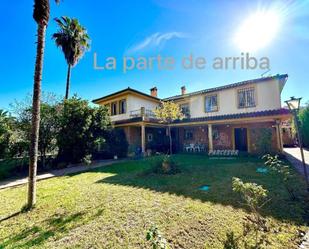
(258, 30)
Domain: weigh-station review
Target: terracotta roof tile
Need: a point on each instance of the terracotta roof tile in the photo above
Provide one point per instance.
(266, 113)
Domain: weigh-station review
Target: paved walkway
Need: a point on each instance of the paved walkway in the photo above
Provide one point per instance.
(59, 172)
(293, 155)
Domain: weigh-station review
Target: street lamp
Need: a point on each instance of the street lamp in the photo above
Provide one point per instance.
(293, 105)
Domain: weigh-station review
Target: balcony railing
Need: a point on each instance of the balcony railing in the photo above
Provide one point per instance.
(142, 113)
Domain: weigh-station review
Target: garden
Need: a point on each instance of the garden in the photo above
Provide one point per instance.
(71, 131)
(131, 204)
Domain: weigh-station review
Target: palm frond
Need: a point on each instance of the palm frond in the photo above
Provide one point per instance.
(72, 38)
(41, 11)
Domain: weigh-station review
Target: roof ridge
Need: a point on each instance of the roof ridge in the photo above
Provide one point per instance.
(212, 89)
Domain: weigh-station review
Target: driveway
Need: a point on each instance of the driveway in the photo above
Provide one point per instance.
(293, 155)
(59, 172)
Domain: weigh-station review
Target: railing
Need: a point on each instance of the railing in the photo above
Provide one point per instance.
(149, 114)
(135, 113)
(142, 113)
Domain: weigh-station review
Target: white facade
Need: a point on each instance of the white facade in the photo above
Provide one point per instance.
(134, 104)
(266, 97)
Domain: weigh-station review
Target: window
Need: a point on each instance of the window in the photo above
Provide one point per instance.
(185, 109)
(246, 98)
(149, 137)
(122, 106)
(188, 135)
(114, 108)
(211, 103)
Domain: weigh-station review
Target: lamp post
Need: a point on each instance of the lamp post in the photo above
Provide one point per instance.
(293, 105)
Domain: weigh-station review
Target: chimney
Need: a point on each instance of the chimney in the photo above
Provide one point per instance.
(183, 90)
(154, 92)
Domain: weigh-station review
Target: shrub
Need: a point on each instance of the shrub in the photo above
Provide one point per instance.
(304, 125)
(276, 165)
(5, 122)
(113, 144)
(81, 128)
(166, 165)
(254, 226)
(231, 242)
(263, 144)
(156, 239)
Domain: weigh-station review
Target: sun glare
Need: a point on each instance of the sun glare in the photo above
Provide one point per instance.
(257, 31)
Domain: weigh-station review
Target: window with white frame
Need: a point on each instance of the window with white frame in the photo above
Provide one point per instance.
(211, 103)
(246, 97)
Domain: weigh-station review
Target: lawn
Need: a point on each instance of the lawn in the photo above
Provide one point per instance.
(113, 207)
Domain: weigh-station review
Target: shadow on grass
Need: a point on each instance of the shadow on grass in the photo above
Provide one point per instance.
(11, 216)
(36, 235)
(197, 171)
(60, 224)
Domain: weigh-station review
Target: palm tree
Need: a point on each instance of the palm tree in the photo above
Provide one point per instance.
(41, 16)
(73, 40)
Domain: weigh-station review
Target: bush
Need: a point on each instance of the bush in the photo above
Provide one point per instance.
(254, 226)
(166, 165)
(263, 144)
(5, 133)
(231, 242)
(114, 144)
(156, 239)
(82, 128)
(9, 167)
(276, 165)
(304, 125)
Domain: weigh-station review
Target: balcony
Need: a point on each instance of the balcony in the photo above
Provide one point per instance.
(145, 113)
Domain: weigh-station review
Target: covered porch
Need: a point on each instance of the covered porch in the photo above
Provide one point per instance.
(246, 133)
(252, 137)
(146, 138)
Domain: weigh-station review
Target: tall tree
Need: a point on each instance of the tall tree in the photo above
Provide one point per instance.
(41, 13)
(73, 40)
(168, 112)
(49, 109)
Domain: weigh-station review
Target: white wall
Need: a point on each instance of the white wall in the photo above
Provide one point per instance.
(135, 103)
(267, 97)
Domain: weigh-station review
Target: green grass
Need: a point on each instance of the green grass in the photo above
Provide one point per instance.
(114, 206)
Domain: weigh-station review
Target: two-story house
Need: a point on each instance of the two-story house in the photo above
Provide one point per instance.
(233, 116)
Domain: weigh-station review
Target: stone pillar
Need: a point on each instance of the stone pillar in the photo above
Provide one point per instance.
(279, 136)
(143, 138)
(210, 143)
(143, 113)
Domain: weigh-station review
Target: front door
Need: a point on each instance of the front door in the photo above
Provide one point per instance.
(241, 139)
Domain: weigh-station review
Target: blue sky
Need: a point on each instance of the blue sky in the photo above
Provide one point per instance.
(147, 28)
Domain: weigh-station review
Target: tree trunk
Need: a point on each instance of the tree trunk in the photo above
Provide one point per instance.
(170, 138)
(67, 90)
(35, 123)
